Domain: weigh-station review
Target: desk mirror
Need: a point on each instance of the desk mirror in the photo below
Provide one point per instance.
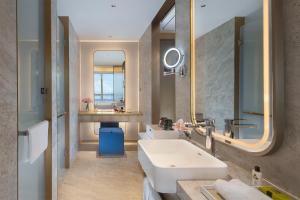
(109, 79)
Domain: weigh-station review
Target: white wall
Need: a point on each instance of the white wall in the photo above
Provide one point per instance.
(131, 84)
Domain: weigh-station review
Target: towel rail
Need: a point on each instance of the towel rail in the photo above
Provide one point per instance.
(61, 115)
(23, 133)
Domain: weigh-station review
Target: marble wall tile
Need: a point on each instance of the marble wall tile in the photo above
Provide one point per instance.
(8, 100)
(145, 60)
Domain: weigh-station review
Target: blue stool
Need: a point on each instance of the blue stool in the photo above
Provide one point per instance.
(111, 142)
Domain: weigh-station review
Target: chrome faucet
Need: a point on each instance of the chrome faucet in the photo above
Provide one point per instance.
(232, 124)
(209, 125)
(210, 141)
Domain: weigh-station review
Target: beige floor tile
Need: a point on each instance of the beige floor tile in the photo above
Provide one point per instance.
(92, 178)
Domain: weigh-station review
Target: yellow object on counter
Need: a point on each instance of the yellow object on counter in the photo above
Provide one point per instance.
(274, 193)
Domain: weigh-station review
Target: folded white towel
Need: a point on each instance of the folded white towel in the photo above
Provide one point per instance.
(37, 140)
(237, 190)
(149, 192)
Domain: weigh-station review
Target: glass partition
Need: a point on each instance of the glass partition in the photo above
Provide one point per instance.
(31, 177)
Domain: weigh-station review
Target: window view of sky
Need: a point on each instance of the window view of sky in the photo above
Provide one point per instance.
(108, 87)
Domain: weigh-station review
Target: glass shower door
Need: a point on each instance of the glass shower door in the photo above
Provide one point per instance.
(31, 177)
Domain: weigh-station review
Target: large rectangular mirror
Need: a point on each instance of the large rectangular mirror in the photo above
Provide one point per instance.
(231, 56)
(109, 79)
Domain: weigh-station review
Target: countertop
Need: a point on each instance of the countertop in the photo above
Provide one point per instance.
(109, 116)
(109, 113)
(190, 189)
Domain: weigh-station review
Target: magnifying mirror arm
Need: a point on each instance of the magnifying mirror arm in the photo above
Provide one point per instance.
(181, 72)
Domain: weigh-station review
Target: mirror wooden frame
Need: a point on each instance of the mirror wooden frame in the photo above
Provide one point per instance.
(273, 78)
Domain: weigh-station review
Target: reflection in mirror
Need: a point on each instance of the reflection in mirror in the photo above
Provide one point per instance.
(109, 79)
(172, 58)
(164, 86)
(229, 62)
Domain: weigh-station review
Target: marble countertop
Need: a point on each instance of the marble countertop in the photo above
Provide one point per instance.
(190, 189)
(109, 116)
(127, 113)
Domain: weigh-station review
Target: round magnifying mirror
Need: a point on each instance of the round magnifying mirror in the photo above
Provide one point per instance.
(172, 58)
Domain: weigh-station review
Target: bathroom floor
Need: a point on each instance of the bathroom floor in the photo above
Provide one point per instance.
(93, 178)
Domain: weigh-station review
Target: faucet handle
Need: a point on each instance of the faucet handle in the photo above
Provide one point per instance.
(229, 123)
(209, 122)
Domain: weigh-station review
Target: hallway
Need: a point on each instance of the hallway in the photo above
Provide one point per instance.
(93, 178)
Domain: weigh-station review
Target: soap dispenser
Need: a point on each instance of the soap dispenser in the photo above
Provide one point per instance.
(256, 176)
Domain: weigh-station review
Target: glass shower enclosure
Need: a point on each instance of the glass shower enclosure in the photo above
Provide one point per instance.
(31, 95)
(31, 102)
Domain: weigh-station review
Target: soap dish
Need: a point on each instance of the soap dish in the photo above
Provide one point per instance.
(210, 193)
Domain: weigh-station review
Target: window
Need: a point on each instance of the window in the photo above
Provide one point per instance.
(104, 88)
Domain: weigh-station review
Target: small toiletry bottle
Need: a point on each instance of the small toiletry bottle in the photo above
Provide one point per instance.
(256, 176)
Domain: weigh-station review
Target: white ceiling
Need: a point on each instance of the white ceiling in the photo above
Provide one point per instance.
(109, 58)
(97, 20)
(217, 12)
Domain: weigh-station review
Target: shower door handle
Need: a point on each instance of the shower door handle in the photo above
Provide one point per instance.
(61, 115)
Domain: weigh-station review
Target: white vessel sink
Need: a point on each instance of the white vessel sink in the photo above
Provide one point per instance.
(166, 161)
